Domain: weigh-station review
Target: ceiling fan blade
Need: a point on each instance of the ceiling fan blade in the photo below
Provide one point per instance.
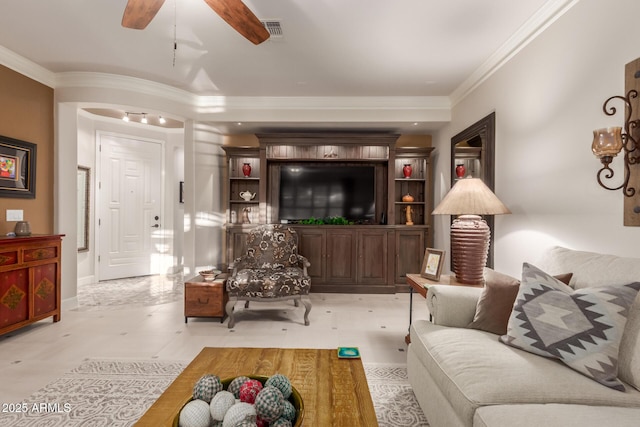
(238, 15)
(139, 13)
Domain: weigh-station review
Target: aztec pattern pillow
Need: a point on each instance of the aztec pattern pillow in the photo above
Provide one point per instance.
(581, 328)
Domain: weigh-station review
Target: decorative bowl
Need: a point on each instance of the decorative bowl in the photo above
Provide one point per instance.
(209, 275)
(295, 399)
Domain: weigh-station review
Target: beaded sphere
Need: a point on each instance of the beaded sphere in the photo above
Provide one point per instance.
(206, 387)
(281, 422)
(220, 404)
(238, 413)
(234, 386)
(249, 390)
(195, 414)
(280, 382)
(246, 423)
(289, 411)
(269, 404)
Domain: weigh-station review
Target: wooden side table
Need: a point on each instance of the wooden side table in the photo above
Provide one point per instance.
(421, 285)
(204, 298)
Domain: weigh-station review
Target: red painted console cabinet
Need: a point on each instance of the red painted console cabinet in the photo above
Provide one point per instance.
(29, 280)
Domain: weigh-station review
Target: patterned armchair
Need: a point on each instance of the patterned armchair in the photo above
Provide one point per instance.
(271, 270)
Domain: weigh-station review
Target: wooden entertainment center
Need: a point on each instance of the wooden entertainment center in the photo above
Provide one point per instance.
(373, 256)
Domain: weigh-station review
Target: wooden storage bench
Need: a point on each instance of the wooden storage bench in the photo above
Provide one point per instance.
(204, 298)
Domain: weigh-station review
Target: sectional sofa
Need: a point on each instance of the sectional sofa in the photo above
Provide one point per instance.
(467, 371)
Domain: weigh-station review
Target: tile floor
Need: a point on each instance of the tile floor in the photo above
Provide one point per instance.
(153, 326)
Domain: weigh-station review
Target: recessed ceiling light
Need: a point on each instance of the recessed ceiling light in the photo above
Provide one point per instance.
(126, 117)
(162, 120)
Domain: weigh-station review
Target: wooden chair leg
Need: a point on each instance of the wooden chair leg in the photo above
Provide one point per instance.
(307, 308)
(229, 310)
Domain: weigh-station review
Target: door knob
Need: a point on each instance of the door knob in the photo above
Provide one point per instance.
(155, 226)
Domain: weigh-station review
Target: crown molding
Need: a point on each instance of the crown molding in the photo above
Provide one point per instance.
(26, 67)
(326, 102)
(540, 21)
(126, 83)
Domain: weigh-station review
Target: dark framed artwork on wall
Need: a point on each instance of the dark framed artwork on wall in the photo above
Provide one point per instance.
(17, 168)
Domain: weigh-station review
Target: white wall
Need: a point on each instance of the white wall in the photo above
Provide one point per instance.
(203, 215)
(547, 100)
(87, 158)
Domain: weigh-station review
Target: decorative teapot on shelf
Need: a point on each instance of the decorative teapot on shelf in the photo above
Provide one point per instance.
(247, 195)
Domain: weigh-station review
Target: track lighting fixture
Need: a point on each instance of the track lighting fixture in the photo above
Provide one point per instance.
(143, 119)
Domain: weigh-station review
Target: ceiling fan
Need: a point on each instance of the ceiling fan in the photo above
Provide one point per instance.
(139, 13)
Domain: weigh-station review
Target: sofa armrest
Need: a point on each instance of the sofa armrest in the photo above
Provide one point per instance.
(452, 305)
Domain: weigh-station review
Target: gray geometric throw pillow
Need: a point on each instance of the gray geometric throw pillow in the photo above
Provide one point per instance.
(581, 328)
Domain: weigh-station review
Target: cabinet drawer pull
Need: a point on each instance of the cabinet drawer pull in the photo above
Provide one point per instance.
(203, 302)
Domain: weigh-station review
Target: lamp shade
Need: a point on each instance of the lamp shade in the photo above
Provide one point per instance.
(470, 196)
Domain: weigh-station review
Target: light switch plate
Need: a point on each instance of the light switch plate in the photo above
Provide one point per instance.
(14, 214)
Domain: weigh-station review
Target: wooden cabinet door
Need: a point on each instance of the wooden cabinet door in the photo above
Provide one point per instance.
(312, 245)
(372, 257)
(341, 256)
(410, 247)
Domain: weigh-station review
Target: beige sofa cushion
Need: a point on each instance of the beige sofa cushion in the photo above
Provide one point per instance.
(472, 368)
(590, 268)
(554, 415)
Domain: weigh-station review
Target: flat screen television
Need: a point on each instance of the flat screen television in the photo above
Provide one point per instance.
(322, 191)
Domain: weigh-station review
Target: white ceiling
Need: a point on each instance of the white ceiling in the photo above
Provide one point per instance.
(330, 48)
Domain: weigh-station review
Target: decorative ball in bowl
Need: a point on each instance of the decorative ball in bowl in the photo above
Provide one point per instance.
(209, 275)
(232, 400)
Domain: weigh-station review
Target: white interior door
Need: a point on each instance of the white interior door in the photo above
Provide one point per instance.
(130, 197)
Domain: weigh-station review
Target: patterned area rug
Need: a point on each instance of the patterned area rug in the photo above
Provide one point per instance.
(116, 393)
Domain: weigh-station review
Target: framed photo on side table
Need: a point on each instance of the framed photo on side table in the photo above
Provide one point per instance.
(432, 264)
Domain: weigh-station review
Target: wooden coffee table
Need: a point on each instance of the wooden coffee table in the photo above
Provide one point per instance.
(334, 391)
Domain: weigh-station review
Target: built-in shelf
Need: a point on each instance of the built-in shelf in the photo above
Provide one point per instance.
(373, 257)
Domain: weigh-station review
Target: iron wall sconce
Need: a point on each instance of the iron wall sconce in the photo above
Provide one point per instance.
(609, 142)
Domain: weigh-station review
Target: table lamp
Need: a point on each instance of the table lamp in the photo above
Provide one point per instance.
(469, 198)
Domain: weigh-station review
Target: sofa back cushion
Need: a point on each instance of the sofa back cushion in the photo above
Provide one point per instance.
(590, 268)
